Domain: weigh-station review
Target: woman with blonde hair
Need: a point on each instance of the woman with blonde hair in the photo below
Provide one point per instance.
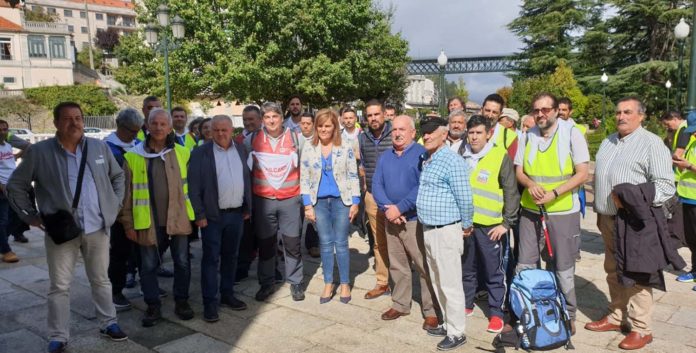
(331, 195)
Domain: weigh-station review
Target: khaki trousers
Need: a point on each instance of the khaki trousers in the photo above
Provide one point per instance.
(636, 301)
(377, 224)
(405, 242)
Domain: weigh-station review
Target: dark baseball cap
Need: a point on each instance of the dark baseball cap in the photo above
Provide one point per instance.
(430, 125)
(691, 121)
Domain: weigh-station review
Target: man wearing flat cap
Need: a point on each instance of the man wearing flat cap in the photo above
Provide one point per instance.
(444, 182)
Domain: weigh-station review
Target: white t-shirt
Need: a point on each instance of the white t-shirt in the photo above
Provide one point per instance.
(7, 162)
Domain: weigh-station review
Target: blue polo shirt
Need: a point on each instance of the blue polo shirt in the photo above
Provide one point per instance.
(396, 179)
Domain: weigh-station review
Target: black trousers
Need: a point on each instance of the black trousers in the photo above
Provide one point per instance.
(247, 249)
(122, 258)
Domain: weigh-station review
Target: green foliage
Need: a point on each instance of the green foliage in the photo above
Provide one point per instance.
(20, 108)
(457, 89)
(91, 98)
(505, 92)
(327, 51)
(97, 56)
(39, 14)
(561, 84)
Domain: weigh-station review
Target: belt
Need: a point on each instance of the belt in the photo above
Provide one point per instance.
(230, 210)
(443, 225)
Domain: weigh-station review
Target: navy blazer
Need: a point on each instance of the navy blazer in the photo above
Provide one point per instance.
(202, 181)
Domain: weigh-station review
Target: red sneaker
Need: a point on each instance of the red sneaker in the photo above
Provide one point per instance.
(469, 312)
(495, 325)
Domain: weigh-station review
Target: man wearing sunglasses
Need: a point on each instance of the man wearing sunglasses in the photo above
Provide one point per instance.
(551, 164)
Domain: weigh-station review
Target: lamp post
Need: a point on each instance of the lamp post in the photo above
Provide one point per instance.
(668, 85)
(442, 63)
(691, 94)
(604, 80)
(151, 36)
(681, 31)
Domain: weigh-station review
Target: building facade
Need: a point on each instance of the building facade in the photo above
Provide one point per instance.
(420, 91)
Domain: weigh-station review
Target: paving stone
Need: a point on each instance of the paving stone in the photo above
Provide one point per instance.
(18, 300)
(675, 298)
(229, 329)
(35, 320)
(683, 317)
(149, 337)
(278, 319)
(351, 339)
(6, 287)
(24, 274)
(196, 342)
(89, 343)
(23, 341)
(335, 311)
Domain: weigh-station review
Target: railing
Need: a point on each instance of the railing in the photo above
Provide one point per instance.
(5, 57)
(11, 93)
(46, 27)
(103, 122)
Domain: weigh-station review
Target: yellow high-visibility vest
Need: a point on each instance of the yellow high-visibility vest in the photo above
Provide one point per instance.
(488, 195)
(686, 186)
(142, 213)
(548, 172)
(505, 138)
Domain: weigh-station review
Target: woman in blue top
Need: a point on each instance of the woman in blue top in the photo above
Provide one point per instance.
(331, 195)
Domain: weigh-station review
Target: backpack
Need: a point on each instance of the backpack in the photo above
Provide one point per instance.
(540, 307)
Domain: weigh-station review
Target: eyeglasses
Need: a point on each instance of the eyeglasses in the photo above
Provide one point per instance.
(544, 111)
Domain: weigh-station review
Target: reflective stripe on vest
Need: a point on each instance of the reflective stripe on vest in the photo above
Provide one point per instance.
(142, 214)
(488, 195)
(548, 172)
(686, 187)
(291, 185)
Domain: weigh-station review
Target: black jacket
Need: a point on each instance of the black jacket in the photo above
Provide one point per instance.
(643, 244)
(203, 186)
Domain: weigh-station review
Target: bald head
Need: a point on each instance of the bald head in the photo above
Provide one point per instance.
(403, 132)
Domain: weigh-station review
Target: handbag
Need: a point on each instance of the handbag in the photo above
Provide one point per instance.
(63, 226)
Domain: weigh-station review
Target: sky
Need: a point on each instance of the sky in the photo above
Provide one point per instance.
(463, 28)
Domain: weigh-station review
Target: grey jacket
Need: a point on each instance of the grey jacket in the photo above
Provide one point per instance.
(45, 164)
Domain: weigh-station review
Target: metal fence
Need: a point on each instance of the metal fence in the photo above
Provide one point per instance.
(103, 122)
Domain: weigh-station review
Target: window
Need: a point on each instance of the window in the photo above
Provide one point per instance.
(100, 16)
(71, 28)
(111, 20)
(128, 21)
(51, 10)
(57, 45)
(37, 46)
(83, 14)
(8, 79)
(5, 49)
(83, 29)
(67, 13)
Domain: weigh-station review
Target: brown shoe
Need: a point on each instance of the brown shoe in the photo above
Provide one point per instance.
(314, 252)
(377, 292)
(430, 323)
(392, 314)
(602, 325)
(10, 257)
(635, 340)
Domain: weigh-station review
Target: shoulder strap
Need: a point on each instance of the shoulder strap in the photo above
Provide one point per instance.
(80, 176)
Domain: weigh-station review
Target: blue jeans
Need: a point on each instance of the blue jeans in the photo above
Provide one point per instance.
(332, 225)
(220, 240)
(150, 262)
(4, 219)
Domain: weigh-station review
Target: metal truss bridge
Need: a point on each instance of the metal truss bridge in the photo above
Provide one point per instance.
(462, 65)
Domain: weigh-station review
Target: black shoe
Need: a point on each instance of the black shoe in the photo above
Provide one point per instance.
(233, 303)
(114, 332)
(265, 292)
(165, 272)
(210, 312)
(451, 342)
(152, 315)
(297, 292)
(130, 280)
(120, 302)
(20, 238)
(183, 310)
(438, 331)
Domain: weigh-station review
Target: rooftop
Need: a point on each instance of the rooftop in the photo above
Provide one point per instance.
(110, 3)
(7, 25)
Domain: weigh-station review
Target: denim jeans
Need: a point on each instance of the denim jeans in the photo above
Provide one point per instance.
(332, 225)
(4, 216)
(221, 239)
(150, 262)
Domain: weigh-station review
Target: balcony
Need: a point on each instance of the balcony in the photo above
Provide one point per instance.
(46, 27)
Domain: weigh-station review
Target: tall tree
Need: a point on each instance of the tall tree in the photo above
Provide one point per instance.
(326, 51)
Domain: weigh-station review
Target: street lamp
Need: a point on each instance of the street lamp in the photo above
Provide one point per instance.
(668, 85)
(681, 31)
(604, 80)
(152, 38)
(691, 93)
(442, 63)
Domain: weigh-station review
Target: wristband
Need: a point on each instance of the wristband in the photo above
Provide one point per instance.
(555, 193)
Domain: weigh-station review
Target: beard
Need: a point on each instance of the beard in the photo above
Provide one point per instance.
(456, 134)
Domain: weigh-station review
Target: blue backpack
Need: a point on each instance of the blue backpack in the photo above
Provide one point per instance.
(540, 308)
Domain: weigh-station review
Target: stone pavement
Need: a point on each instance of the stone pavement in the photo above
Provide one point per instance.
(281, 325)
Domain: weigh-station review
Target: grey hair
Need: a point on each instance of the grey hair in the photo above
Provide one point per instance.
(222, 117)
(129, 118)
(641, 107)
(272, 107)
(412, 123)
(443, 128)
(157, 111)
(456, 113)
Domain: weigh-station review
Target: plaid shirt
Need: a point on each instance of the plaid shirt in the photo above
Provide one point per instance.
(444, 195)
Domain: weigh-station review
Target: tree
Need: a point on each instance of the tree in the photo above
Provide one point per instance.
(505, 92)
(39, 14)
(457, 89)
(21, 108)
(327, 51)
(91, 98)
(107, 40)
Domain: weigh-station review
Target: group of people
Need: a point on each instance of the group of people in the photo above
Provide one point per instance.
(461, 207)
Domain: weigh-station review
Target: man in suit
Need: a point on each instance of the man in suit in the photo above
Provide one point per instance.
(220, 192)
